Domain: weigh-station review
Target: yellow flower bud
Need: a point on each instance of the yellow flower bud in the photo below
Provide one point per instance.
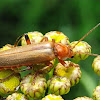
(83, 98)
(58, 85)
(96, 65)
(80, 49)
(58, 36)
(73, 73)
(52, 97)
(34, 88)
(17, 96)
(7, 46)
(35, 37)
(11, 84)
(96, 93)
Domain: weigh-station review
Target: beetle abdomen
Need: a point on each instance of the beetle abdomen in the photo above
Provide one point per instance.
(27, 55)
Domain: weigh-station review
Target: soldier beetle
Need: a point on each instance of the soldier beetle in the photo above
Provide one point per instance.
(37, 53)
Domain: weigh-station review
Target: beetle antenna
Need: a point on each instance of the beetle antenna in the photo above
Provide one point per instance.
(89, 54)
(86, 34)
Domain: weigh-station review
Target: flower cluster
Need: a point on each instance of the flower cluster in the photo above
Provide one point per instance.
(42, 80)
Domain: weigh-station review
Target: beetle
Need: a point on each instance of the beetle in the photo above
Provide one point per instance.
(37, 53)
(34, 54)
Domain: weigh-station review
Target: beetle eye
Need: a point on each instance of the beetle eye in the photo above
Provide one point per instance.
(72, 56)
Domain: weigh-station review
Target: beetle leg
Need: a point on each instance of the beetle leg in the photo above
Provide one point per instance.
(44, 39)
(53, 40)
(19, 39)
(72, 64)
(49, 65)
(27, 39)
(28, 68)
(65, 65)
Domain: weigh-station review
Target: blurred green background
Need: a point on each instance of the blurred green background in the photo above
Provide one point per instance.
(72, 17)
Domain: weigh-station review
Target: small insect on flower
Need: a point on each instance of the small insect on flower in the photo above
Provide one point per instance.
(37, 53)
